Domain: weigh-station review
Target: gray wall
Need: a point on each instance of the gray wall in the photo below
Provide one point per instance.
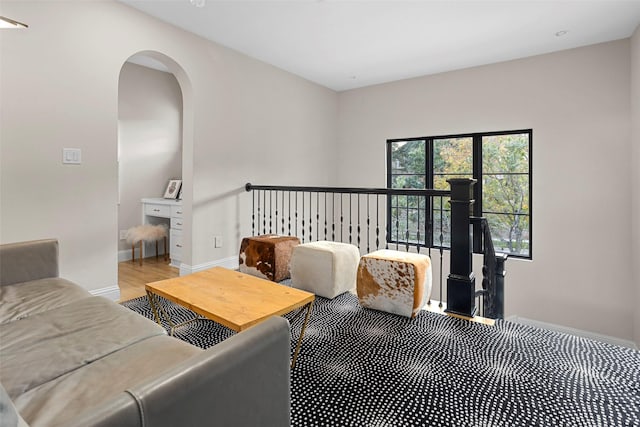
(577, 102)
(149, 139)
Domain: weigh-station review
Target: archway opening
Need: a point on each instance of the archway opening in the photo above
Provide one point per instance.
(154, 150)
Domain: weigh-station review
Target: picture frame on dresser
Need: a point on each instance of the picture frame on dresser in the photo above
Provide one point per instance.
(173, 189)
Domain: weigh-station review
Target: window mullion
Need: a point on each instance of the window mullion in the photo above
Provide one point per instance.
(477, 191)
(428, 169)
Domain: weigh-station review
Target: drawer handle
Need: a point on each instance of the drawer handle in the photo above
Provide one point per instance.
(178, 246)
(178, 212)
(156, 210)
(178, 223)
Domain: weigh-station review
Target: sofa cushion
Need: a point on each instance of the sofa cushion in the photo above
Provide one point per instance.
(26, 261)
(46, 345)
(59, 400)
(27, 298)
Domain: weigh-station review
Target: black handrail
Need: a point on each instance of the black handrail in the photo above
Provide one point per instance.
(353, 190)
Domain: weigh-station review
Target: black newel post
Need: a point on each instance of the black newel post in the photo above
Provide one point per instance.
(461, 283)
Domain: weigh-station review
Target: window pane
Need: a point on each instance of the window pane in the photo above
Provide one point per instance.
(505, 153)
(408, 157)
(507, 194)
(408, 181)
(510, 233)
(453, 155)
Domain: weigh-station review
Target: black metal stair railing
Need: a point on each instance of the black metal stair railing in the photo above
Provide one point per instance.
(491, 296)
(359, 216)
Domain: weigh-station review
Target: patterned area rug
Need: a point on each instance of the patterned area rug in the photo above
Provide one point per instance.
(359, 367)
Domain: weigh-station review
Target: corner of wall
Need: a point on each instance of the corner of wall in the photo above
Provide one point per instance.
(635, 168)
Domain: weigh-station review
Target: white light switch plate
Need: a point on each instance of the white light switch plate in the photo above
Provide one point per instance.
(71, 156)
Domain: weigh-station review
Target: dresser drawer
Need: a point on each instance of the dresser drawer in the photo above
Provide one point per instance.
(176, 211)
(175, 252)
(176, 223)
(163, 211)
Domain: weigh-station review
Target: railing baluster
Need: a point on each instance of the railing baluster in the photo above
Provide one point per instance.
(397, 223)
(283, 213)
(368, 224)
(270, 211)
(377, 221)
(441, 249)
(358, 224)
(303, 217)
(276, 222)
(296, 214)
(264, 212)
(253, 214)
(431, 259)
(310, 220)
(406, 232)
(418, 228)
(325, 216)
(258, 211)
(387, 235)
(289, 215)
(318, 216)
(333, 216)
(341, 220)
(350, 226)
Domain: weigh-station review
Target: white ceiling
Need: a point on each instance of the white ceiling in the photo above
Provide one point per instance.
(345, 44)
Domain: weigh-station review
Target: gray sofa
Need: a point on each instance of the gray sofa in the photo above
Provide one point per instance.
(68, 358)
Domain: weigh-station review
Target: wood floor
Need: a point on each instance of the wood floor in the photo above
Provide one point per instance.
(132, 277)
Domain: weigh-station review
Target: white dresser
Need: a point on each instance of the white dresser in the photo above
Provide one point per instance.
(170, 209)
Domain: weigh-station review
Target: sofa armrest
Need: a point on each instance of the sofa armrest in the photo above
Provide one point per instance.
(26, 261)
(243, 382)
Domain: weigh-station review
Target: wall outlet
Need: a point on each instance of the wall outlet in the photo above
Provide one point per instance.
(123, 234)
(218, 241)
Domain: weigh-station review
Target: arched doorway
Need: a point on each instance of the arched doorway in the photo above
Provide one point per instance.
(154, 147)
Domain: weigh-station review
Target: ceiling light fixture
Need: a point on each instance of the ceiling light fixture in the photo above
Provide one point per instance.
(10, 23)
(561, 33)
(198, 3)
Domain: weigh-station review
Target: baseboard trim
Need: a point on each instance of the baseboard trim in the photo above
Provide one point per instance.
(110, 292)
(572, 331)
(124, 255)
(230, 262)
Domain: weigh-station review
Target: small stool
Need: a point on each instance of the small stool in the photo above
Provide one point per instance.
(267, 256)
(327, 269)
(395, 282)
(146, 233)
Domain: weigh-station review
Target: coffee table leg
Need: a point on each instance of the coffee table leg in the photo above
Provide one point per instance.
(152, 302)
(304, 327)
(156, 307)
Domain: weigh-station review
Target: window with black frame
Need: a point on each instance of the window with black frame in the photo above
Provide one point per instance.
(500, 161)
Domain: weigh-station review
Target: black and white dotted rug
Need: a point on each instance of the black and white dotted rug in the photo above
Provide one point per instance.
(360, 367)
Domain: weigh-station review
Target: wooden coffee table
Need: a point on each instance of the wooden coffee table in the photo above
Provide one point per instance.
(233, 299)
